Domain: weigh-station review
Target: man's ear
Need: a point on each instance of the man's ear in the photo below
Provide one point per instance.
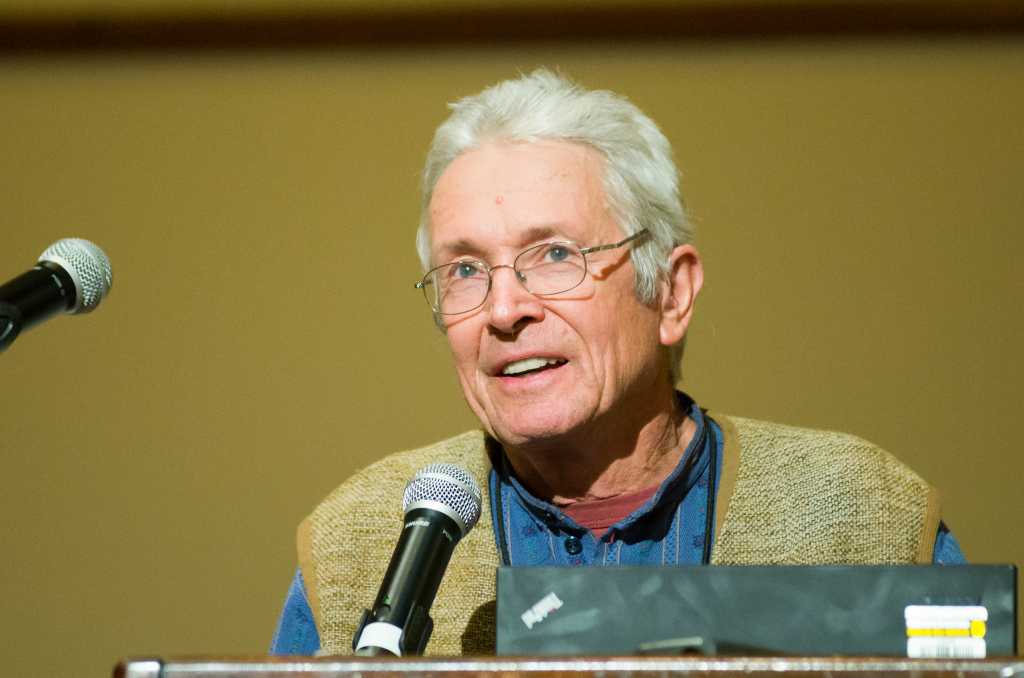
(679, 290)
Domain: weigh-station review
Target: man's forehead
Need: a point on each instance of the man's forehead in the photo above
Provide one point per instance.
(516, 194)
(512, 167)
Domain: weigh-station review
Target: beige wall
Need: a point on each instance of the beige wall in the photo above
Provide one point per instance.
(859, 209)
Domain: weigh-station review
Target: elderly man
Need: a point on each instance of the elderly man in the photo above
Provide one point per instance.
(561, 270)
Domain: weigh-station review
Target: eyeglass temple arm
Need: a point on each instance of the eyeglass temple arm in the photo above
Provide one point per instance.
(601, 248)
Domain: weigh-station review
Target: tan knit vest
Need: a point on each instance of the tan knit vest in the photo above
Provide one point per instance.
(786, 495)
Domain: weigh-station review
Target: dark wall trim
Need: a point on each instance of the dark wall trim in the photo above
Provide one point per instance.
(566, 25)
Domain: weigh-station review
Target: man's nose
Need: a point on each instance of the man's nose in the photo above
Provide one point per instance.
(510, 303)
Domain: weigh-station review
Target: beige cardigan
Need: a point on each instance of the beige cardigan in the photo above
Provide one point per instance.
(786, 495)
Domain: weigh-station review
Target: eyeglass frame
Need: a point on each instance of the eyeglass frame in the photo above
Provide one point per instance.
(422, 283)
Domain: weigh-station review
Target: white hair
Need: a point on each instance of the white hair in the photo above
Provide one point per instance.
(641, 181)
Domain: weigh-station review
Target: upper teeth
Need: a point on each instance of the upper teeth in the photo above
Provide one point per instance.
(520, 366)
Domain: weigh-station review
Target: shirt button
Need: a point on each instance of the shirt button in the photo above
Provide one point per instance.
(573, 546)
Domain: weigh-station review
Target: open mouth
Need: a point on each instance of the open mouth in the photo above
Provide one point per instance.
(528, 366)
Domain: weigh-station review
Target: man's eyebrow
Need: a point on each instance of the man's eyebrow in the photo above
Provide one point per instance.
(464, 246)
(457, 248)
(541, 232)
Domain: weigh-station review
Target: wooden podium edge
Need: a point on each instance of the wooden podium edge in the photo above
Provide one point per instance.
(563, 667)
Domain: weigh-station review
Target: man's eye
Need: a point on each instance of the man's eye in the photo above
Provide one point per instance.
(465, 269)
(558, 253)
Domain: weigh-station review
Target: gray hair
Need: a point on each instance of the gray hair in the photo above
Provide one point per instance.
(641, 181)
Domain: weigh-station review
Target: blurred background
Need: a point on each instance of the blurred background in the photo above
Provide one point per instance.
(251, 168)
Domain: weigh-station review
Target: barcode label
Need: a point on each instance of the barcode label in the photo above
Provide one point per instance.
(936, 647)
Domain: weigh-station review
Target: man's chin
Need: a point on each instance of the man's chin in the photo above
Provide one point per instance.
(534, 418)
(529, 431)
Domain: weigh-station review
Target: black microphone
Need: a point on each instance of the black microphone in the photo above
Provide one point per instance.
(442, 504)
(73, 275)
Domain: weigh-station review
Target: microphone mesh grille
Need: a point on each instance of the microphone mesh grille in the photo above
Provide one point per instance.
(88, 265)
(449, 485)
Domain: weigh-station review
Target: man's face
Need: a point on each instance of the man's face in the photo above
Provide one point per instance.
(601, 344)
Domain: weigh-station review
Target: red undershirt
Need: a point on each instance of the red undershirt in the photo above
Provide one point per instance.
(600, 514)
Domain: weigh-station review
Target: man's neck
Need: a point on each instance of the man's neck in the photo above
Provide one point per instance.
(607, 461)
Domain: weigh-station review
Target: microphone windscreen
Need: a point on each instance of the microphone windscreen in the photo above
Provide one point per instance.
(448, 488)
(88, 267)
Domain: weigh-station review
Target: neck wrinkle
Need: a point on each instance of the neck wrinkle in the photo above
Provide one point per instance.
(563, 473)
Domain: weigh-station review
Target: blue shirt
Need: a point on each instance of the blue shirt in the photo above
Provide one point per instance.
(669, 529)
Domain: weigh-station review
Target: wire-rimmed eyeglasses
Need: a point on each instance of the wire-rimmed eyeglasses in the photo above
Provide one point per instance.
(544, 269)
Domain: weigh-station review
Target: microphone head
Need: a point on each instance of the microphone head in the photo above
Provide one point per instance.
(447, 488)
(88, 267)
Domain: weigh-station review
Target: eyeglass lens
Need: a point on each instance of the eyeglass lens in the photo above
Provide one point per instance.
(548, 268)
